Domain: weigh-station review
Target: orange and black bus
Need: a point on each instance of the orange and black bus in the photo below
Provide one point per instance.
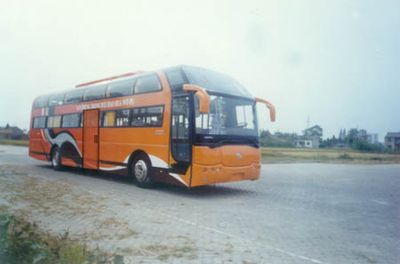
(185, 125)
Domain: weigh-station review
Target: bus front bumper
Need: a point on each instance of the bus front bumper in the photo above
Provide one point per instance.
(205, 175)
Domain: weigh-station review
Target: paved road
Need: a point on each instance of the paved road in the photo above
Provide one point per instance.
(296, 213)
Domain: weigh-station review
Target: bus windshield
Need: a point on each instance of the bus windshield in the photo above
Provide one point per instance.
(228, 116)
(214, 81)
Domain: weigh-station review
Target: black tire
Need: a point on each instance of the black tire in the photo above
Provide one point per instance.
(56, 159)
(141, 171)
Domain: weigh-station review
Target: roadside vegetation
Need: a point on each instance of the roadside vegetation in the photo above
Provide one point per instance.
(23, 242)
(14, 142)
(350, 147)
(285, 155)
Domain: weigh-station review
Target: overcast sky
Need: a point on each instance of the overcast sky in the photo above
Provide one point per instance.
(337, 62)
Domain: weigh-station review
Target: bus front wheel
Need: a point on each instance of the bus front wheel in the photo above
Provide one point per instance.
(141, 170)
(56, 159)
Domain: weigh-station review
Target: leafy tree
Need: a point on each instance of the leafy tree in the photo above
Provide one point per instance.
(352, 135)
(329, 142)
(362, 145)
(278, 139)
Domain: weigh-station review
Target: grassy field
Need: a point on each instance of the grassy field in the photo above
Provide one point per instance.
(285, 155)
(12, 142)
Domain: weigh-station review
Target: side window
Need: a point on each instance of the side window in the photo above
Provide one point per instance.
(54, 121)
(95, 93)
(146, 84)
(154, 116)
(109, 119)
(120, 88)
(175, 79)
(122, 118)
(74, 96)
(41, 102)
(56, 99)
(39, 122)
(71, 120)
(138, 117)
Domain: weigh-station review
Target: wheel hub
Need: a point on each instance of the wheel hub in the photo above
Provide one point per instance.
(140, 170)
(55, 158)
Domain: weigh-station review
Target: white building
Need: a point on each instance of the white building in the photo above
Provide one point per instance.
(307, 142)
(372, 138)
(392, 141)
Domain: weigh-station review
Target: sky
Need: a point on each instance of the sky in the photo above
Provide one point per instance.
(334, 63)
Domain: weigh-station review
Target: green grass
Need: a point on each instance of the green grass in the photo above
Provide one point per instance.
(285, 155)
(23, 242)
(12, 142)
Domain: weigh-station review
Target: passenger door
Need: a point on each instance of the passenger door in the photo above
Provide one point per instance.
(181, 146)
(91, 139)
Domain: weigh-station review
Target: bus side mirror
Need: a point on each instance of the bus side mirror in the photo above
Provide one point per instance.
(204, 98)
(271, 107)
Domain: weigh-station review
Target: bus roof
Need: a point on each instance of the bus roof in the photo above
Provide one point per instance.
(210, 80)
(108, 79)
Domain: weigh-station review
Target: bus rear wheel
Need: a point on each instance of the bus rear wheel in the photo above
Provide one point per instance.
(141, 170)
(56, 159)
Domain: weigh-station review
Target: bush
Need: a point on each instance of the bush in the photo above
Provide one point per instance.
(280, 140)
(345, 156)
(22, 242)
(73, 253)
(364, 146)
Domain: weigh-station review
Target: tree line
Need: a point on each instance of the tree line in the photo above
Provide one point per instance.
(356, 139)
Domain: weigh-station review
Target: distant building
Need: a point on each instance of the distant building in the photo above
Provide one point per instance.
(392, 141)
(11, 132)
(310, 138)
(307, 142)
(342, 135)
(363, 135)
(372, 138)
(314, 131)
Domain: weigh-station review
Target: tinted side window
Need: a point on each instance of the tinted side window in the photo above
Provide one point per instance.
(108, 119)
(122, 117)
(176, 79)
(95, 93)
(71, 120)
(138, 117)
(41, 101)
(147, 116)
(74, 96)
(120, 88)
(39, 122)
(56, 99)
(54, 121)
(146, 84)
(154, 116)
